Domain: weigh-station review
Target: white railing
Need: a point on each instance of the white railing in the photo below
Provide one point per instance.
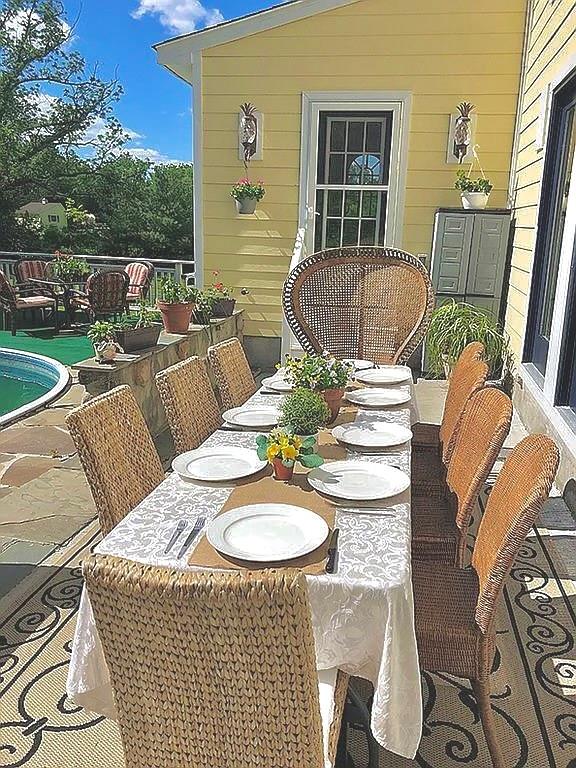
(290, 345)
(177, 268)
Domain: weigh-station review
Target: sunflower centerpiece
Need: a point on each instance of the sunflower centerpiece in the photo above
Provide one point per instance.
(282, 449)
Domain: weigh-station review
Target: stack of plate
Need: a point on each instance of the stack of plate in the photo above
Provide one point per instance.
(252, 417)
(277, 383)
(219, 464)
(359, 365)
(386, 374)
(376, 397)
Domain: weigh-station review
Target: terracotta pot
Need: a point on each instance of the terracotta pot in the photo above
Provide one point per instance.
(223, 307)
(281, 471)
(246, 205)
(333, 398)
(176, 317)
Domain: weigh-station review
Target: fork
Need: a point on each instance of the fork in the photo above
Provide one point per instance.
(198, 525)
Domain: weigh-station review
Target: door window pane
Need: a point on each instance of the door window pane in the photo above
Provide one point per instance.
(333, 228)
(352, 204)
(374, 137)
(369, 204)
(356, 136)
(335, 202)
(336, 169)
(338, 136)
(368, 232)
(350, 233)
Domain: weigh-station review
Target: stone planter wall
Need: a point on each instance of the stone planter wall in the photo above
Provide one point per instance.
(139, 369)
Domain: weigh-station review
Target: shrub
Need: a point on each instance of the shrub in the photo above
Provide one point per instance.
(304, 412)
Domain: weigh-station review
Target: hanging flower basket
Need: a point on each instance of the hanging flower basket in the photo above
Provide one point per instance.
(247, 195)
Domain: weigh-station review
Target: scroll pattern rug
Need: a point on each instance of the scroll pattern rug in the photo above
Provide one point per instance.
(534, 683)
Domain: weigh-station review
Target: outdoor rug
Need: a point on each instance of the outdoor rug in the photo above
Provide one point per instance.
(534, 683)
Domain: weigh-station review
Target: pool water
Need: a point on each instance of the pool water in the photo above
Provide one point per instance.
(17, 392)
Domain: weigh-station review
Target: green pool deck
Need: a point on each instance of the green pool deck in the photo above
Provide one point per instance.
(66, 347)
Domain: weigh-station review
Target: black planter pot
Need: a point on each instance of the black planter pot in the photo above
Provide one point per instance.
(132, 339)
(223, 307)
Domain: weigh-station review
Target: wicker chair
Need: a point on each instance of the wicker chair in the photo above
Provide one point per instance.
(454, 609)
(232, 372)
(190, 403)
(26, 270)
(116, 452)
(212, 669)
(371, 303)
(105, 294)
(140, 274)
(13, 302)
(440, 523)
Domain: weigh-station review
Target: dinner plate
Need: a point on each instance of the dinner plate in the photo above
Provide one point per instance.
(375, 397)
(377, 434)
(359, 365)
(277, 384)
(358, 480)
(267, 532)
(386, 374)
(252, 416)
(224, 462)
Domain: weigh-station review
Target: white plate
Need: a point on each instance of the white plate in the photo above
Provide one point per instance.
(267, 532)
(386, 374)
(224, 462)
(377, 398)
(252, 416)
(377, 434)
(359, 365)
(277, 384)
(358, 480)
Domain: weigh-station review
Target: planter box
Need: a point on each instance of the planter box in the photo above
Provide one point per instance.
(132, 339)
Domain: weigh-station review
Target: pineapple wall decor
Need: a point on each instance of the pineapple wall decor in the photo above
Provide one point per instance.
(462, 134)
(250, 134)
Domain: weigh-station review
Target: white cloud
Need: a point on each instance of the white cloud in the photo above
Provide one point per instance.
(98, 127)
(151, 155)
(179, 16)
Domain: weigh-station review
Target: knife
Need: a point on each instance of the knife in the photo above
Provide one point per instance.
(332, 551)
(198, 525)
(175, 536)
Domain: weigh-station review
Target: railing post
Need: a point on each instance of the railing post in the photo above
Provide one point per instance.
(178, 271)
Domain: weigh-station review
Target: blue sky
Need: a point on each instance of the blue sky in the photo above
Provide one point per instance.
(118, 34)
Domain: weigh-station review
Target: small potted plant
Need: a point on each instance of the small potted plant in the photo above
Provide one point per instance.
(140, 329)
(304, 412)
(102, 336)
(321, 373)
(473, 192)
(204, 307)
(247, 195)
(69, 268)
(223, 303)
(176, 304)
(283, 449)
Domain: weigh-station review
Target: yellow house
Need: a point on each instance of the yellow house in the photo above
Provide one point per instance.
(391, 72)
(50, 214)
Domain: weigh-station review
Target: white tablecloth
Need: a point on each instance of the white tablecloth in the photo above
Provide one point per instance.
(363, 615)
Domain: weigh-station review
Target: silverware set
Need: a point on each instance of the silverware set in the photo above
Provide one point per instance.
(181, 526)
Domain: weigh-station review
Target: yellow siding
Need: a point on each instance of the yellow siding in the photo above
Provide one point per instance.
(551, 41)
(447, 54)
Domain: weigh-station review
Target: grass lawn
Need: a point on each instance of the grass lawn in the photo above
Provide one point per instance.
(67, 348)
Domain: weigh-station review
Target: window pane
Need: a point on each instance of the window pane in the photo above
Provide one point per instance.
(352, 205)
(318, 220)
(373, 137)
(335, 202)
(356, 136)
(368, 233)
(372, 171)
(350, 234)
(338, 136)
(369, 205)
(333, 233)
(382, 219)
(354, 165)
(336, 171)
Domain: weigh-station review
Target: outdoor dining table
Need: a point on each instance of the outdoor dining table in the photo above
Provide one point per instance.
(363, 614)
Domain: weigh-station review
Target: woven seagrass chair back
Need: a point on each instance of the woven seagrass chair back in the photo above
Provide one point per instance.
(107, 291)
(513, 505)
(467, 378)
(483, 429)
(140, 275)
(214, 670)
(116, 452)
(232, 373)
(369, 303)
(473, 351)
(190, 403)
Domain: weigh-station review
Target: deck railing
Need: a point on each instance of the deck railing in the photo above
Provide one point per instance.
(290, 345)
(177, 268)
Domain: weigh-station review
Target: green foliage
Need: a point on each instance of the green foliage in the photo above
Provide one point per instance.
(248, 189)
(454, 326)
(176, 292)
(101, 331)
(466, 184)
(289, 448)
(144, 317)
(69, 267)
(304, 412)
(204, 309)
(317, 372)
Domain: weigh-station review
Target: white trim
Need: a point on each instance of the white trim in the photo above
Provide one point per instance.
(398, 102)
(551, 412)
(198, 171)
(170, 52)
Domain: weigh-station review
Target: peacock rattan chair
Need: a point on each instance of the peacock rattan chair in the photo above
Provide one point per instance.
(232, 372)
(212, 669)
(190, 403)
(454, 608)
(440, 523)
(370, 303)
(116, 452)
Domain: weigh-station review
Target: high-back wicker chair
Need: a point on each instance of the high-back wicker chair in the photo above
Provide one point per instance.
(37, 269)
(369, 303)
(454, 608)
(13, 302)
(140, 274)
(440, 523)
(211, 669)
(105, 294)
(116, 452)
(190, 403)
(232, 373)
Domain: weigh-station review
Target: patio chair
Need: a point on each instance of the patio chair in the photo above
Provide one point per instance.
(440, 523)
(190, 403)
(25, 269)
(369, 303)
(232, 372)
(454, 608)
(116, 452)
(140, 274)
(13, 303)
(214, 669)
(105, 294)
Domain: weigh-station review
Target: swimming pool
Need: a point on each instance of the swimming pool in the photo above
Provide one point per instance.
(28, 382)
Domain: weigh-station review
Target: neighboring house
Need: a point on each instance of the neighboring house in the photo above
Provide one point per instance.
(50, 214)
(393, 71)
